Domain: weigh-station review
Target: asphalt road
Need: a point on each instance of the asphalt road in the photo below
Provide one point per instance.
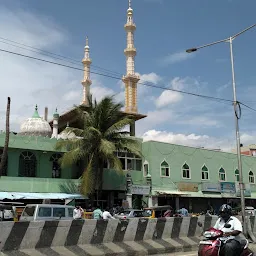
(180, 254)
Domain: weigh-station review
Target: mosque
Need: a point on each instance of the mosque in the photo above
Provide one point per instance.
(167, 174)
(33, 172)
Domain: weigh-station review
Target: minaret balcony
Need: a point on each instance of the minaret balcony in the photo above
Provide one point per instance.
(130, 51)
(130, 26)
(131, 77)
(86, 81)
(86, 61)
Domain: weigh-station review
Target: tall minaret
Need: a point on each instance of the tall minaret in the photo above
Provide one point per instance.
(86, 81)
(130, 79)
(55, 124)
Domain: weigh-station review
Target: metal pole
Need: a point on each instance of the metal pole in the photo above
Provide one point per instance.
(241, 184)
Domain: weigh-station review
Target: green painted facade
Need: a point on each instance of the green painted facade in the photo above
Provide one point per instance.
(198, 160)
(43, 148)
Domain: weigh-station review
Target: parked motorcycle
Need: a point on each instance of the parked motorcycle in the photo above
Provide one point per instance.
(211, 244)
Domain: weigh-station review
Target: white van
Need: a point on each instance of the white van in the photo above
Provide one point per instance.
(38, 212)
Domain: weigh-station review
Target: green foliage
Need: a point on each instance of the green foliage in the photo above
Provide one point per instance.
(102, 135)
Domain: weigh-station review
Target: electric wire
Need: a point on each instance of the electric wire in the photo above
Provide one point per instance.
(118, 78)
(50, 54)
(73, 61)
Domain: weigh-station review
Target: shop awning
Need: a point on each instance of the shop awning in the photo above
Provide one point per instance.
(169, 192)
(20, 195)
(205, 195)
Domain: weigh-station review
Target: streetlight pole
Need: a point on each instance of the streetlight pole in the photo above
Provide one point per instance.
(237, 116)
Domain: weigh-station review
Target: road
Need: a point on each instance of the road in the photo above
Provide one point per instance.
(180, 254)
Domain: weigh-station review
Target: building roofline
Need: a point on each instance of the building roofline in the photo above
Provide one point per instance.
(200, 148)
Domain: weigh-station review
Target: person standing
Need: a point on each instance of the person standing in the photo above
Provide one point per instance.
(97, 213)
(106, 214)
(78, 213)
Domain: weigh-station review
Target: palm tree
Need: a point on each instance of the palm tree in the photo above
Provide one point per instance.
(7, 136)
(97, 143)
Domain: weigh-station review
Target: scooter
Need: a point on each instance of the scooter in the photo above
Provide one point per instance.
(211, 244)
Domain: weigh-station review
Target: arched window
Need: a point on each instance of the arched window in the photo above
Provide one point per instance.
(145, 168)
(185, 171)
(56, 169)
(4, 173)
(251, 177)
(27, 164)
(205, 173)
(165, 169)
(222, 174)
(237, 177)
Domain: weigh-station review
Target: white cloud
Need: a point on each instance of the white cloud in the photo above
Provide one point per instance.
(29, 82)
(176, 57)
(168, 97)
(72, 95)
(151, 77)
(192, 140)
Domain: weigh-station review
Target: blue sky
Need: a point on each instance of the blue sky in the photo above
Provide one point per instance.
(165, 29)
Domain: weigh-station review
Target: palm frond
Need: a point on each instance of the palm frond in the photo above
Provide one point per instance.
(106, 148)
(119, 125)
(71, 157)
(115, 164)
(68, 144)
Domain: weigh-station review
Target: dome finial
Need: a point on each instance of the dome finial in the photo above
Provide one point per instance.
(36, 115)
(87, 41)
(130, 5)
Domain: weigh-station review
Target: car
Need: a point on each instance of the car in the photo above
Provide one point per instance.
(130, 213)
(39, 212)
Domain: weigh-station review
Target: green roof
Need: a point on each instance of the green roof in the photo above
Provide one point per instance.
(30, 142)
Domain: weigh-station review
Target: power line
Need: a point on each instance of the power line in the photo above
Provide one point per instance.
(73, 61)
(118, 78)
(67, 59)
(50, 54)
(247, 106)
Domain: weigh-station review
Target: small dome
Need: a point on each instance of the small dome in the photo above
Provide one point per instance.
(36, 126)
(66, 134)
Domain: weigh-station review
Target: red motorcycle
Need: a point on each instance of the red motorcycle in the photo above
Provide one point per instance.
(211, 244)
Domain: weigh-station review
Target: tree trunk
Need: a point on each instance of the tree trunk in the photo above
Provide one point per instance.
(7, 135)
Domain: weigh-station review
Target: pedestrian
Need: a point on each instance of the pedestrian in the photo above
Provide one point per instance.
(78, 213)
(183, 212)
(97, 213)
(168, 213)
(106, 214)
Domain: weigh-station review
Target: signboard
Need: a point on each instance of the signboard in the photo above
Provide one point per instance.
(247, 191)
(191, 187)
(140, 190)
(211, 187)
(228, 187)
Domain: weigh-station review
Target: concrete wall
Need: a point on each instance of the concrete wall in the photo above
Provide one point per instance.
(182, 232)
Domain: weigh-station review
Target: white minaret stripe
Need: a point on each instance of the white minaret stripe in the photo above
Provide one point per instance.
(86, 83)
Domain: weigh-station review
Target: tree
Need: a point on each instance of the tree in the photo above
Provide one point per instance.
(102, 135)
(7, 136)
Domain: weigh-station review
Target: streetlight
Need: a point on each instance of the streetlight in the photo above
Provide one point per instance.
(236, 104)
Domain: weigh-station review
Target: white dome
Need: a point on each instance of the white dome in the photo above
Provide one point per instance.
(66, 134)
(36, 126)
